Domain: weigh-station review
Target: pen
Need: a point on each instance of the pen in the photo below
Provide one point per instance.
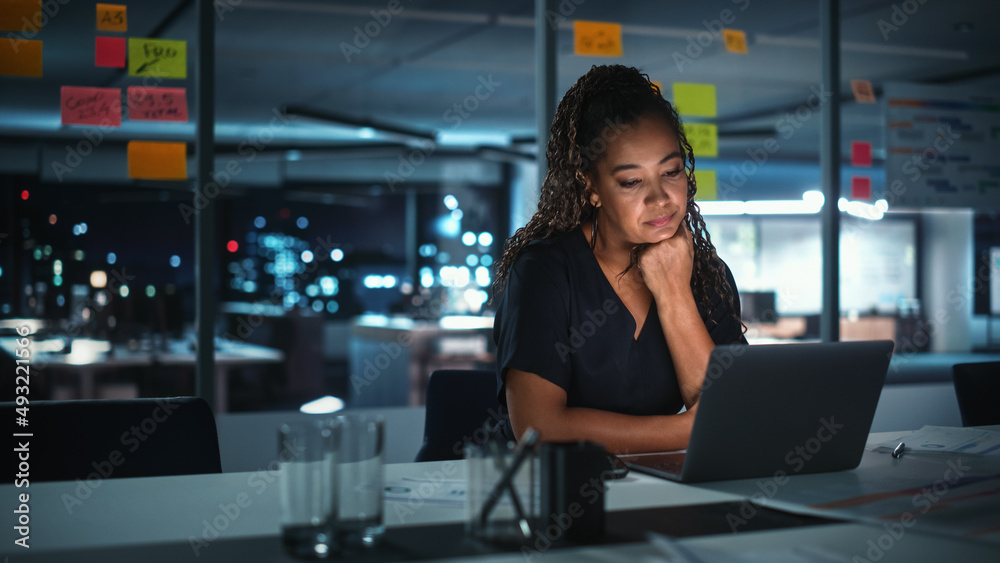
(521, 452)
(898, 451)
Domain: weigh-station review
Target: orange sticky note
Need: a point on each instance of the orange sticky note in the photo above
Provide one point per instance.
(157, 104)
(91, 106)
(150, 160)
(736, 40)
(659, 85)
(112, 17)
(20, 15)
(863, 91)
(597, 39)
(20, 57)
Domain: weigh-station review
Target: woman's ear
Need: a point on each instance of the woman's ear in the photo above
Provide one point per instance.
(592, 196)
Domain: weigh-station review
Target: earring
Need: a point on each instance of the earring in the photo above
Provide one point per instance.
(593, 229)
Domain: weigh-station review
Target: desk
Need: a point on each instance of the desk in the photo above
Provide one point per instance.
(88, 357)
(153, 519)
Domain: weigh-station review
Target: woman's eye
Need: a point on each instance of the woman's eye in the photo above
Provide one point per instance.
(672, 173)
(630, 183)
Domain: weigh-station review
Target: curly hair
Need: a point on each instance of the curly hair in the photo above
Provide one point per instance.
(592, 112)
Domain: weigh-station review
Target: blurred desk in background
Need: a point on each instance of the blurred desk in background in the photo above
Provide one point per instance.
(85, 358)
(391, 358)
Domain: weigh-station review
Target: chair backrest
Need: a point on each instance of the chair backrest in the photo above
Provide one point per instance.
(977, 387)
(110, 439)
(458, 403)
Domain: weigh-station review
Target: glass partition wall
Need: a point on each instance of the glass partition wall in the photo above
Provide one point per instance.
(370, 157)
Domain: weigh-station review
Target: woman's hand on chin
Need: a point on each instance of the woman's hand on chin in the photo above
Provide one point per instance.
(666, 266)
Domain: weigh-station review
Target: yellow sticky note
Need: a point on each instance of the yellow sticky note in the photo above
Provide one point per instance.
(20, 15)
(20, 57)
(149, 160)
(160, 58)
(112, 17)
(598, 39)
(736, 40)
(703, 137)
(695, 99)
(707, 186)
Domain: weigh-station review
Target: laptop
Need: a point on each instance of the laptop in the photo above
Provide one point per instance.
(767, 409)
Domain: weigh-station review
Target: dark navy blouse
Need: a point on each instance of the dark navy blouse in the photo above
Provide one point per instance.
(560, 318)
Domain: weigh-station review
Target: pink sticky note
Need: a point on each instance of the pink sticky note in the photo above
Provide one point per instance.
(91, 106)
(109, 52)
(861, 188)
(861, 153)
(157, 104)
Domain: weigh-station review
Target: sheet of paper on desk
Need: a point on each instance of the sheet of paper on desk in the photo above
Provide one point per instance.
(947, 439)
(449, 492)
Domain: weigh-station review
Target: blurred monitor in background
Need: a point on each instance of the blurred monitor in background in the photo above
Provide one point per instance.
(758, 307)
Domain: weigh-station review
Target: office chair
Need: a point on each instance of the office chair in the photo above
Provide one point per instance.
(458, 403)
(977, 387)
(111, 439)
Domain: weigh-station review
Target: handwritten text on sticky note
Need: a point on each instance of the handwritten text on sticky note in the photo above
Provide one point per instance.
(695, 99)
(157, 104)
(150, 160)
(159, 58)
(703, 137)
(597, 39)
(736, 41)
(91, 106)
(111, 17)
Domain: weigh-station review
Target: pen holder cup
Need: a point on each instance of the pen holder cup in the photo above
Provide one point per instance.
(571, 506)
(507, 514)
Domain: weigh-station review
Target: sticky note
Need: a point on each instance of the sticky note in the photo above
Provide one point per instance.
(707, 186)
(149, 160)
(20, 15)
(703, 137)
(861, 153)
(736, 41)
(861, 188)
(695, 99)
(160, 58)
(157, 104)
(20, 57)
(863, 92)
(109, 52)
(597, 39)
(111, 17)
(91, 106)
(659, 85)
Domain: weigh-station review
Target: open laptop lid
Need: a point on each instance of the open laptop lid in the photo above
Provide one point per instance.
(796, 408)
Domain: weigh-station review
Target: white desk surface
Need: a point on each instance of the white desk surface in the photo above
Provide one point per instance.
(144, 511)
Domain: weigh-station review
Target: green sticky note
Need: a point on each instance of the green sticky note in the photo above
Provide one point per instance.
(159, 58)
(707, 187)
(703, 138)
(695, 99)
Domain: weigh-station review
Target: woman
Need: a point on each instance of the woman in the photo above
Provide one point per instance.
(612, 296)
